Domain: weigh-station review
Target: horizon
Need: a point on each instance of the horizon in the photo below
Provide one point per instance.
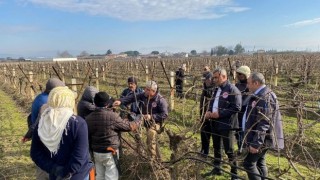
(35, 28)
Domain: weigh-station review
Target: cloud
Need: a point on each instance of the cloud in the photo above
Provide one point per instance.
(13, 29)
(304, 23)
(139, 10)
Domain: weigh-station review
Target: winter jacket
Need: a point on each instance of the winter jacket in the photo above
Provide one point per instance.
(134, 106)
(40, 100)
(263, 121)
(104, 128)
(73, 153)
(157, 106)
(85, 105)
(228, 107)
(206, 95)
(242, 86)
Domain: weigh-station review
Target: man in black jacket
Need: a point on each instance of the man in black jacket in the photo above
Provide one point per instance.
(263, 127)
(207, 90)
(223, 111)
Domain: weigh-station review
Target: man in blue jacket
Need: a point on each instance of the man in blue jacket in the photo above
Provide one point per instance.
(132, 89)
(263, 126)
(154, 109)
(223, 111)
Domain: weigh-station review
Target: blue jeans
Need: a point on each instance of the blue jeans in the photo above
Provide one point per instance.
(255, 165)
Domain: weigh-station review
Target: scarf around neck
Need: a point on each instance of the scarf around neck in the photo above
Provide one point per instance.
(52, 123)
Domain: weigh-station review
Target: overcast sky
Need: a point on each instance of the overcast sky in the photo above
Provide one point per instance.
(33, 28)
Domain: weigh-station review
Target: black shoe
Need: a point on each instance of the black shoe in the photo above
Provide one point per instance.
(214, 172)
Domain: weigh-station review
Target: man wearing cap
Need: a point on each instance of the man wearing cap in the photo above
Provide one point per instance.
(208, 88)
(154, 109)
(132, 89)
(38, 102)
(223, 109)
(243, 73)
(104, 126)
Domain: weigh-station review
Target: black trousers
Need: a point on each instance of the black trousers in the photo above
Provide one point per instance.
(224, 139)
(255, 164)
(206, 134)
(179, 88)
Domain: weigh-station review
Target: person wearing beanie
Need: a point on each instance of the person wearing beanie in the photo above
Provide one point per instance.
(206, 95)
(60, 140)
(243, 72)
(154, 109)
(104, 126)
(86, 105)
(132, 89)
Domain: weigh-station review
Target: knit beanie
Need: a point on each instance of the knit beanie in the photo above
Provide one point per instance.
(61, 97)
(244, 70)
(132, 80)
(52, 83)
(101, 99)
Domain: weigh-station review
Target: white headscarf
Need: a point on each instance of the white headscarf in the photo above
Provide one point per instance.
(54, 119)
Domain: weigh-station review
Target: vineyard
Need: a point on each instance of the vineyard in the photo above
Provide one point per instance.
(295, 78)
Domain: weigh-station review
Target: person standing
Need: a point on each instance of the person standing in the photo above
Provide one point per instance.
(104, 127)
(263, 127)
(86, 105)
(60, 140)
(206, 127)
(223, 110)
(154, 109)
(132, 89)
(179, 82)
(38, 104)
(243, 72)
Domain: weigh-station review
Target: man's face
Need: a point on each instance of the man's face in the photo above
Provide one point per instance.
(149, 92)
(219, 78)
(241, 77)
(132, 86)
(208, 82)
(252, 86)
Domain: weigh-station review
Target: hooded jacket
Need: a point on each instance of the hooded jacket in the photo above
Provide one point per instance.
(86, 105)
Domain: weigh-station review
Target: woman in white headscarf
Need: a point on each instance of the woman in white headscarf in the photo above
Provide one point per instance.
(60, 141)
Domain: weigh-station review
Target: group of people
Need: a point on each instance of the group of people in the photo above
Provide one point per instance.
(64, 144)
(247, 111)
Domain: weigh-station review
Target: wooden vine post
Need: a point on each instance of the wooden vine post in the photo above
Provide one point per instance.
(14, 78)
(5, 74)
(31, 80)
(172, 76)
(44, 72)
(147, 73)
(97, 78)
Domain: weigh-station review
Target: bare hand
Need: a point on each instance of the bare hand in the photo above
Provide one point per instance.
(207, 115)
(116, 103)
(24, 139)
(215, 115)
(147, 117)
(253, 150)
